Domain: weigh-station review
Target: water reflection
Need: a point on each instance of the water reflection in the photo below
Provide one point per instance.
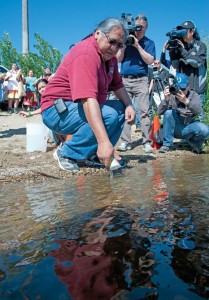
(141, 236)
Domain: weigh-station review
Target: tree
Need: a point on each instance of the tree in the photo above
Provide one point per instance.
(46, 56)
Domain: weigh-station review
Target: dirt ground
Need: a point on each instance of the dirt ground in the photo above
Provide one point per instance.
(16, 164)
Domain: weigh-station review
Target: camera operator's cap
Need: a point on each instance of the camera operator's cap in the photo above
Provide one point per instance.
(182, 80)
(187, 25)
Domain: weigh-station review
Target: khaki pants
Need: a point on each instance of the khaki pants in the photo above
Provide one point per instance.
(138, 89)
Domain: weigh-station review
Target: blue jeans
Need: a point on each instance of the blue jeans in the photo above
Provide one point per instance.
(83, 142)
(195, 132)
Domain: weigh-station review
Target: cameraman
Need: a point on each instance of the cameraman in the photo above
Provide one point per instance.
(181, 108)
(135, 59)
(191, 57)
(159, 79)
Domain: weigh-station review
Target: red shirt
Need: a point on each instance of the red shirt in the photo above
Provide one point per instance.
(83, 74)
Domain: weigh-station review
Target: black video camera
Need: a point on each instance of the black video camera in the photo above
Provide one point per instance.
(155, 72)
(175, 35)
(174, 88)
(130, 27)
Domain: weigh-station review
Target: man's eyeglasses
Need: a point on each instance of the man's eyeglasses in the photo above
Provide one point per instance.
(113, 42)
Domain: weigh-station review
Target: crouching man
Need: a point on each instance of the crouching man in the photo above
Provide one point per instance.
(181, 108)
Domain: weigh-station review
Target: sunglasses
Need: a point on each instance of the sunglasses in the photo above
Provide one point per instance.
(113, 42)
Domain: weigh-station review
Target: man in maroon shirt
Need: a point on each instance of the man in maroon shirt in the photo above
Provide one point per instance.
(74, 101)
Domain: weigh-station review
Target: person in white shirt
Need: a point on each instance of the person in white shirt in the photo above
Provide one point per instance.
(11, 77)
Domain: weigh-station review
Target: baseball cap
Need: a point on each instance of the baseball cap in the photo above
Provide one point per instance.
(182, 80)
(187, 25)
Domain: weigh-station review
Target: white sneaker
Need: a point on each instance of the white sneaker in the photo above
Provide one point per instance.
(148, 148)
(65, 163)
(124, 146)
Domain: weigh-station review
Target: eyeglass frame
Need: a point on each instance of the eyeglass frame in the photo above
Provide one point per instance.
(113, 42)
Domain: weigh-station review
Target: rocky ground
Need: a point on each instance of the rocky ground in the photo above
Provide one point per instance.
(16, 164)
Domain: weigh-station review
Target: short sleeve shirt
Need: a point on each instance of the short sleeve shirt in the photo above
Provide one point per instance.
(83, 74)
(132, 63)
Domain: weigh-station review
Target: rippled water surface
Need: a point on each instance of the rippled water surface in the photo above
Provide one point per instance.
(143, 235)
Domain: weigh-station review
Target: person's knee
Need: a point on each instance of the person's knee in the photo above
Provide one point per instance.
(168, 114)
(203, 129)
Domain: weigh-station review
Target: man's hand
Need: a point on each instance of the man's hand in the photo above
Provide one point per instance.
(105, 152)
(182, 97)
(130, 115)
(180, 44)
(167, 93)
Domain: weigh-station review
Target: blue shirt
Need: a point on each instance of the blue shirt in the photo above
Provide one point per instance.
(29, 83)
(132, 63)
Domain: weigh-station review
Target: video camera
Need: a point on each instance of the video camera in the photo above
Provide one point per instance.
(175, 35)
(130, 27)
(155, 72)
(174, 88)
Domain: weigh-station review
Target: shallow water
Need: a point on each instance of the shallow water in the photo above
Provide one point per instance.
(143, 235)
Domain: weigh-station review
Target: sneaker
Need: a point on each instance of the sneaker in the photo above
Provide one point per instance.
(195, 148)
(65, 163)
(148, 148)
(125, 146)
(16, 110)
(164, 149)
(10, 111)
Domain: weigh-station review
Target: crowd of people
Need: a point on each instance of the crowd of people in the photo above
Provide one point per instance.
(75, 100)
(21, 91)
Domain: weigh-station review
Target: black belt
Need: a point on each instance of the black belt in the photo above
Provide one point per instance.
(132, 76)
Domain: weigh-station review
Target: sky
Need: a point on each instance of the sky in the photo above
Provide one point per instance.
(65, 22)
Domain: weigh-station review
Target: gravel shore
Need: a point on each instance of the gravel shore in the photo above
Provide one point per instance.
(17, 165)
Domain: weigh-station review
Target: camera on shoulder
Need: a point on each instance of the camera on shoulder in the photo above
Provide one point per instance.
(130, 27)
(174, 36)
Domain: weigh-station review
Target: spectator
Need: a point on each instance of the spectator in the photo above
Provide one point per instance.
(191, 59)
(30, 100)
(135, 59)
(12, 89)
(41, 85)
(74, 101)
(47, 74)
(180, 112)
(159, 80)
(2, 77)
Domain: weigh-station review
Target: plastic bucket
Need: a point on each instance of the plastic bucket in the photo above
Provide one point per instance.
(36, 137)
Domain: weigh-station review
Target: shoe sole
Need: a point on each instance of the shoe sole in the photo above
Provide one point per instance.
(122, 150)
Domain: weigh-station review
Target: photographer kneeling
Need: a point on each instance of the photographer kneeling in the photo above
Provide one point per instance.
(181, 108)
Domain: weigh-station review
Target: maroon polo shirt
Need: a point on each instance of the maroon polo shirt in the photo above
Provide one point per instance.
(83, 74)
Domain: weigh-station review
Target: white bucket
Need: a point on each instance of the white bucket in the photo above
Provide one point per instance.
(36, 137)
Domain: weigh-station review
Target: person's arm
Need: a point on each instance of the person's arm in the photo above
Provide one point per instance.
(147, 58)
(163, 55)
(30, 113)
(165, 104)
(129, 112)
(120, 54)
(151, 85)
(193, 102)
(8, 76)
(195, 58)
(105, 150)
